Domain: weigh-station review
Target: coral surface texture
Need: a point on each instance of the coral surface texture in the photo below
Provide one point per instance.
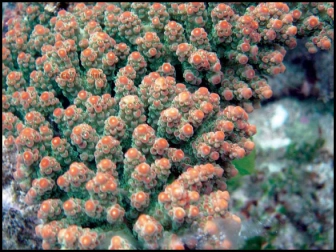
(127, 118)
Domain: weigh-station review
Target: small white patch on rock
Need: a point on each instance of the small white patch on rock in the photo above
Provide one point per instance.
(279, 117)
(275, 143)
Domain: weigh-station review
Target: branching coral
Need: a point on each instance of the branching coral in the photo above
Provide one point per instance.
(126, 117)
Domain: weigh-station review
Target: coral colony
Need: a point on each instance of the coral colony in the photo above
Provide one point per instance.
(126, 116)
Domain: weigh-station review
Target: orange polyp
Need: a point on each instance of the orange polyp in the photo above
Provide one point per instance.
(21, 55)
(278, 57)
(296, 14)
(264, 10)
(313, 21)
(62, 53)
(155, 21)
(45, 206)
(29, 116)
(25, 95)
(87, 52)
(219, 135)
(29, 10)
(101, 178)
(126, 14)
(94, 73)
(47, 67)
(197, 32)
(90, 206)
(105, 163)
(135, 55)
(73, 171)
(111, 186)
(277, 24)
(207, 107)
(292, 30)
(140, 197)
(123, 80)
(92, 24)
(62, 12)
(205, 150)
(326, 44)
(39, 29)
(32, 193)
(210, 168)
(59, 24)
(27, 132)
(46, 231)
(102, 35)
(152, 52)
(56, 141)
(179, 154)
(163, 197)
(222, 204)
(164, 162)
(172, 112)
(44, 183)
(156, 6)
(143, 168)
(113, 121)
(44, 96)
(44, 129)
(82, 94)
(69, 236)
(149, 36)
(249, 73)
(129, 69)
(172, 24)
(44, 163)
(279, 5)
(162, 143)
(194, 196)
(249, 145)
(88, 13)
(11, 76)
(122, 46)
(57, 112)
(28, 156)
(149, 229)
(116, 242)
(80, 5)
(246, 93)
(182, 47)
(19, 41)
(166, 67)
(245, 47)
(110, 56)
(132, 153)
(203, 91)
(106, 140)
(141, 129)
(246, 19)
(114, 213)
(197, 59)
(61, 181)
(94, 99)
(199, 114)
(69, 112)
(110, 17)
(179, 213)
(214, 155)
(221, 7)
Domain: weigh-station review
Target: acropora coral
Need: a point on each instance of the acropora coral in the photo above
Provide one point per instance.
(126, 116)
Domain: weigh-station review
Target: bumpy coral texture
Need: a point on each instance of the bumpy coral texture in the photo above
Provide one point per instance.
(127, 116)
